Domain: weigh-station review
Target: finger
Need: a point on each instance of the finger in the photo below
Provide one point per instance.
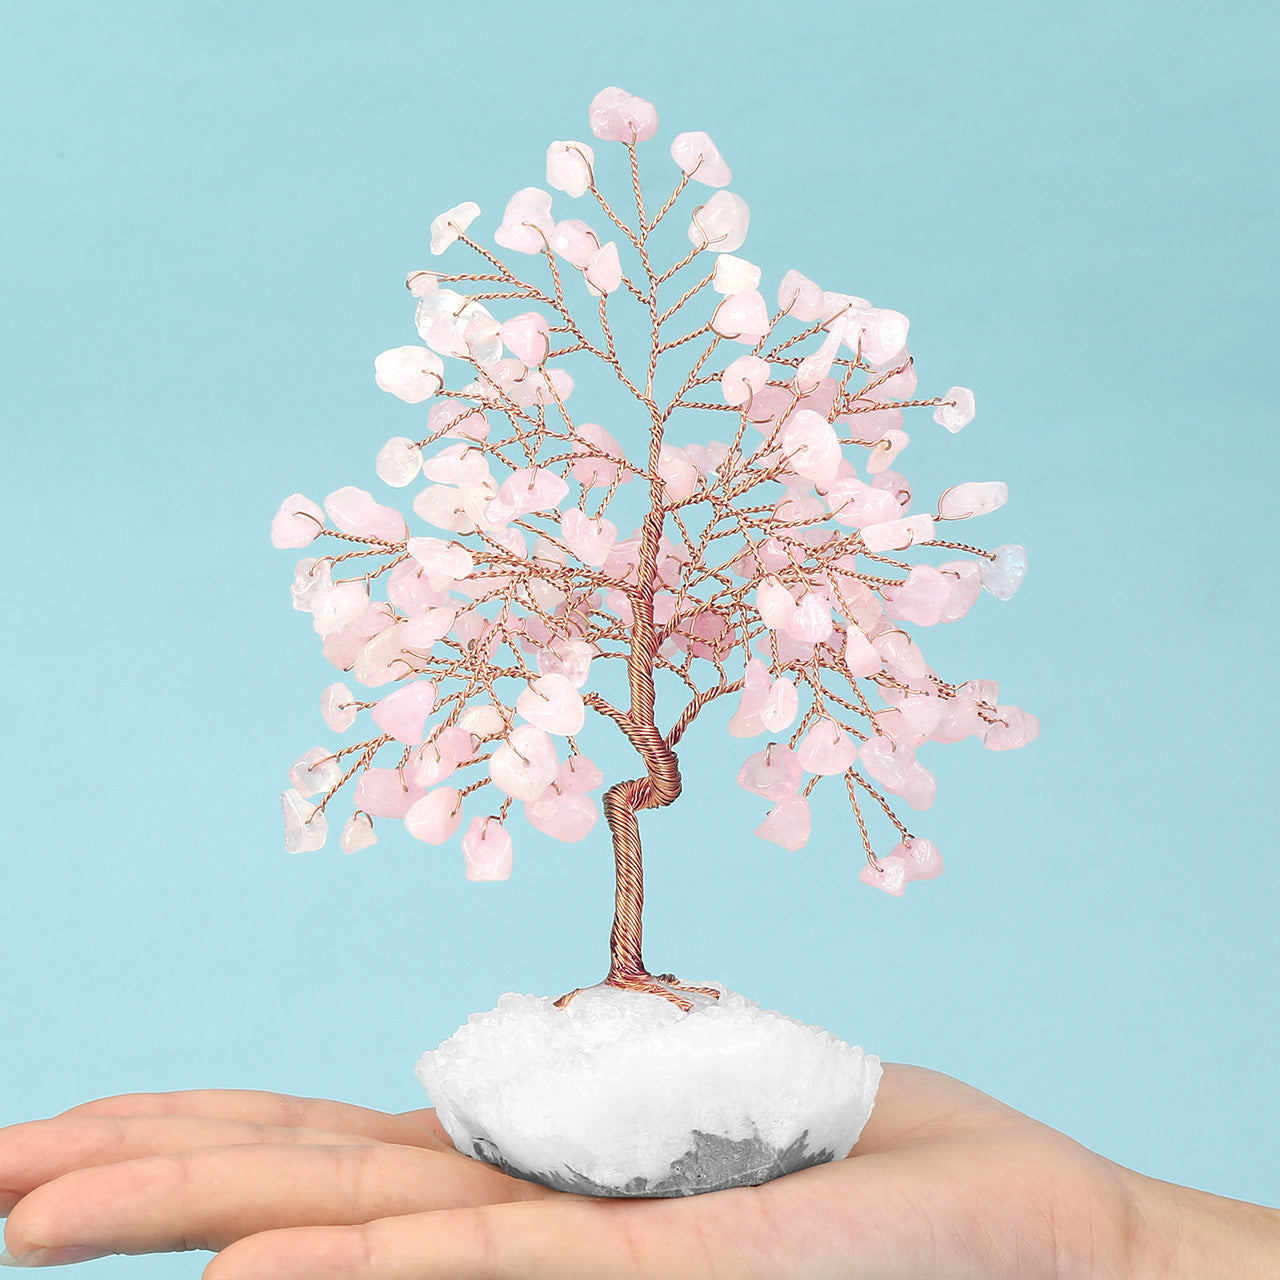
(207, 1198)
(723, 1234)
(38, 1151)
(261, 1107)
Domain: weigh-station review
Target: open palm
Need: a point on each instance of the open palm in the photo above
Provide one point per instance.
(945, 1182)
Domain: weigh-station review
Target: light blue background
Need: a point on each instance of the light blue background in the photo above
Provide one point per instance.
(209, 211)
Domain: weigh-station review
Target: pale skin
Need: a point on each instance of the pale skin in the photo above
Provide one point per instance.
(945, 1183)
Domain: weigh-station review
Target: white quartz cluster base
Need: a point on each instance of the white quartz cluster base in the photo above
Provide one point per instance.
(624, 1094)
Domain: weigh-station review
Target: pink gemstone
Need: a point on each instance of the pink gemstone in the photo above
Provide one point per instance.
(421, 282)
(528, 337)
(1013, 728)
(569, 166)
(553, 704)
(922, 597)
(787, 823)
(921, 714)
(305, 829)
(357, 834)
(527, 223)
(596, 471)
(746, 721)
(885, 450)
(381, 793)
(781, 704)
(920, 858)
(567, 816)
(590, 539)
(698, 156)
(568, 658)
(973, 498)
(575, 241)
(773, 773)
(403, 714)
(296, 523)
(357, 512)
(399, 462)
(578, 775)
(800, 297)
(444, 563)
(487, 848)
(810, 621)
(338, 707)
(743, 379)
(413, 373)
(332, 608)
(342, 647)
(525, 764)
(603, 273)
(1003, 575)
(720, 224)
(774, 603)
(742, 317)
(964, 585)
(811, 446)
(956, 409)
(857, 505)
(734, 275)
(383, 659)
(677, 472)
(826, 748)
(446, 226)
(439, 757)
(860, 655)
(429, 628)
(812, 371)
(619, 116)
(893, 766)
(410, 591)
(435, 817)
(897, 535)
(883, 335)
(891, 875)
(525, 491)
(901, 655)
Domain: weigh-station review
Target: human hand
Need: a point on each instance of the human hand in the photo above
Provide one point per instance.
(945, 1182)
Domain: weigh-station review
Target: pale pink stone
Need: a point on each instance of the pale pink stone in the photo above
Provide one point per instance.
(964, 585)
(920, 858)
(357, 834)
(410, 591)
(429, 628)
(357, 512)
(920, 788)
(973, 498)
(578, 775)
(457, 422)
(334, 607)
(413, 373)
(486, 846)
(956, 409)
(883, 335)
(1003, 575)
(958, 721)
(603, 273)
(890, 875)
(305, 828)
(734, 275)
(698, 156)
(541, 386)
(826, 748)
(443, 562)
(885, 450)
(383, 658)
(597, 471)
(435, 817)
(569, 166)
(921, 598)
(338, 707)
(296, 523)
(381, 792)
(589, 538)
(774, 603)
(920, 714)
(781, 704)
(677, 472)
(895, 483)
(446, 226)
(860, 655)
(525, 491)
(901, 655)
(798, 507)
(575, 241)
(1013, 728)
(399, 462)
(527, 223)
(774, 773)
(897, 535)
(813, 369)
(787, 824)
(720, 224)
(528, 337)
(482, 721)
(810, 621)
(800, 297)
(746, 721)
(524, 766)
(619, 116)
(316, 771)
(857, 505)
(742, 317)
(403, 714)
(462, 465)
(342, 647)
(567, 816)
(309, 575)
(568, 658)
(420, 283)
(811, 446)
(553, 704)
(743, 379)
(887, 762)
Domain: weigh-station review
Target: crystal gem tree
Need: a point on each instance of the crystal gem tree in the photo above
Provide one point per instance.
(764, 566)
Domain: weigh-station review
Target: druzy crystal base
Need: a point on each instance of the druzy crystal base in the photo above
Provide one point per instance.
(621, 1093)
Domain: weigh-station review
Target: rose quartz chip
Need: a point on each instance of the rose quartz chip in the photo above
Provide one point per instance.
(420, 283)
(357, 834)
(524, 766)
(619, 116)
(589, 538)
(857, 505)
(773, 773)
(886, 762)
(309, 575)
(413, 373)
(974, 498)
(787, 823)
(896, 535)
(575, 241)
(920, 858)
(780, 705)
(380, 792)
(316, 771)
(446, 226)
(956, 409)
(901, 655)
(435, 817)
(338, 707)
(964, 585)
(922, 598)
(403, 714)
(305, 829)
(334, 607)
(597, 471)
(578, 775)
(567, 816)
(699, 157)
(734, 275)
(568, 658)
(528, 337)
(883, 335)
(800, 297)
(296, 523)
(443, 562)
(1003, 575)
(860, 655)
(774, 603)
(439, 757)
(813, 368)
(569, 166)
(885, 450)
(810, 621)
(720, 224)
(826, 748)
(811, 446)
(746, 721)
(603, 273)
(527, 223)
(890, 875)
(742, 317)
(487, 848)
(553, 704)
(399, 462)
(678, 473)
(357, 512)
(1013, 728)
(742, 379)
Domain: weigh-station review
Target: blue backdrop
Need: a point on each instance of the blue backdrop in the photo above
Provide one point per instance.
(210, 210)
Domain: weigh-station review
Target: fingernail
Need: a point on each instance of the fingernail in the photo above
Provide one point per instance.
(56, 1256)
